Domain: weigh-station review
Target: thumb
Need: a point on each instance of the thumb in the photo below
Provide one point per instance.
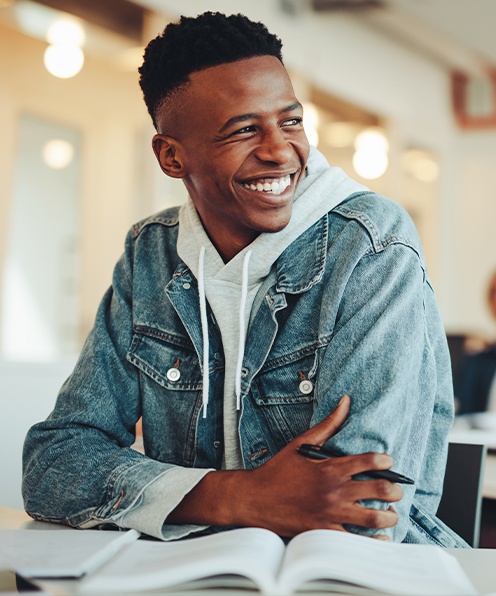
(327, 427)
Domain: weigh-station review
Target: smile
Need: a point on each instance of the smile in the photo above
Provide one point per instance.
(275, 186)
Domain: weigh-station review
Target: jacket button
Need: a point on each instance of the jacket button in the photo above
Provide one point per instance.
(173, 374)
(186, 285)
(306, 387)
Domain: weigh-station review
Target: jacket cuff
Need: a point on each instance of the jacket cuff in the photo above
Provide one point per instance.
(158, 499)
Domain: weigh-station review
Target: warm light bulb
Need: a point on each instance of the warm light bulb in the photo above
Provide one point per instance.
(57, 154)
(63, 61)
(372, 138)
(370, 159)
(370, 164)
(65, 31)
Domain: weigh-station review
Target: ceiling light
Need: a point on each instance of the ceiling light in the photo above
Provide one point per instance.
(372, 138)
(64, 57)
(371, 156)
(65, 31)
(370, 164)
(57, 154)
(63, 61)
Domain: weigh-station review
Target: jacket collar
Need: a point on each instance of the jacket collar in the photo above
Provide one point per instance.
(302, 264)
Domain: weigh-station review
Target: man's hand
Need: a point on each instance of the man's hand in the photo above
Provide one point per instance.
(291, 494)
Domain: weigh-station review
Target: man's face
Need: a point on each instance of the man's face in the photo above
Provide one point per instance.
(243, 148)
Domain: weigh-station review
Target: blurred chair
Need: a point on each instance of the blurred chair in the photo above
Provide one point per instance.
(456, 346)
(461, 502)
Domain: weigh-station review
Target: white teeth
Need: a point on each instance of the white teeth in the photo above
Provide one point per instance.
(276, 186)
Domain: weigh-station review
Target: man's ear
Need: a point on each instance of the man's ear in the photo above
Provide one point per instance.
(168, 152)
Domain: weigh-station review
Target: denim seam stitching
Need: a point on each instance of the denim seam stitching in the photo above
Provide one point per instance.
(163, 335)
(165, 221)
(297, 354)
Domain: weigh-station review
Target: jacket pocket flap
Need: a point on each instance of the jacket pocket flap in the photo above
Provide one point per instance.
(291, 382)
(173, 366)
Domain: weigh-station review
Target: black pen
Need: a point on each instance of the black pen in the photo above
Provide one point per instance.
(318, 452)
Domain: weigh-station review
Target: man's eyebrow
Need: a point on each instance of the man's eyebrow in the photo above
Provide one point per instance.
(294, 106)
(253, 116)
(238, 119)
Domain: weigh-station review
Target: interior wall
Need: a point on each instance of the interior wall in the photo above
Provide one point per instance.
(473, 251)
(105, 105)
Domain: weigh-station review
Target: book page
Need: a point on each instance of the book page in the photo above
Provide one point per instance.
(59, 553)
(253, 553)
(396, 568)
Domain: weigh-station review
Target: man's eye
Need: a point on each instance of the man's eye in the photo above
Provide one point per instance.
(245, 130)
(293, 121)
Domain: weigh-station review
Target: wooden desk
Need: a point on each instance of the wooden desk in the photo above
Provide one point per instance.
(479, 564)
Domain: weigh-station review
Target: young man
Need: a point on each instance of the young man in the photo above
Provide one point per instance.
(238, 325)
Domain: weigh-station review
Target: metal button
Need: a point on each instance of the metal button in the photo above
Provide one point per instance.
(173, 374)
(306, 387)
(216, 444)
(186, 285)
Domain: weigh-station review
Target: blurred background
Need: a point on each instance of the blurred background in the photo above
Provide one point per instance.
(399, 93)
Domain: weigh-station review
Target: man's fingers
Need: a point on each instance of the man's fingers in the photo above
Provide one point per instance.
(382, 490)
(359, 463)
(372, 518)
(327, 427)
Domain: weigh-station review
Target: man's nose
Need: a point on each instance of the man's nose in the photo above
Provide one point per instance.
(274, 147)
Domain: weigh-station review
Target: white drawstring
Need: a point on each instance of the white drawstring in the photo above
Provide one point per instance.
(204, 325)
(241, 345)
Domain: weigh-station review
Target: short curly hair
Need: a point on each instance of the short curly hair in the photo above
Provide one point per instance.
(195, 43)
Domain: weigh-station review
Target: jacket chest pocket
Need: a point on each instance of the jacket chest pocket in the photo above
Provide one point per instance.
(287, 380)
(284, 392)
(175, 367)
(170, 391)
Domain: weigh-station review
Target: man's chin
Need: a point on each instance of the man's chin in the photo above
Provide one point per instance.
(274, 227)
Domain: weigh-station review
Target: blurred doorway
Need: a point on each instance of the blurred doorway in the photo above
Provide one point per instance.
(40, 302)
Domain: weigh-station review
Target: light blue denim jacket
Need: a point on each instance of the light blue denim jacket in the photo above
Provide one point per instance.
(348, 305)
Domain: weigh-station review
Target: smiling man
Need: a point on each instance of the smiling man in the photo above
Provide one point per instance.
(282, 304)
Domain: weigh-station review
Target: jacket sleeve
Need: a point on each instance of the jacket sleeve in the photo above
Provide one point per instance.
(389, 353)
(78, 465)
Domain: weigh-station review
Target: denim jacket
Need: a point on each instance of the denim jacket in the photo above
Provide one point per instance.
(347, 306)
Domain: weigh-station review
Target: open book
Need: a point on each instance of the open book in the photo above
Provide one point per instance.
(323, 560)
